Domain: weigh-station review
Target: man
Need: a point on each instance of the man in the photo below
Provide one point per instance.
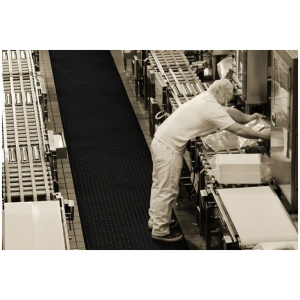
(198, 117)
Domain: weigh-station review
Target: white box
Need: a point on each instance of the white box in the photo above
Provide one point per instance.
(241, 168)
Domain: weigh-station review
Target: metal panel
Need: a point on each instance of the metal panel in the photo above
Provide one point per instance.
(160, 89)
(257, 75)
(258, 215)
(284, 110)
(33, 226)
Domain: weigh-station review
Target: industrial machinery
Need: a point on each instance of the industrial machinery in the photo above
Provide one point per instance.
(240, 204)
(284, 117)
(170, 81)
(250, 68)
(267, 81)
(34, 212)
(239, 213)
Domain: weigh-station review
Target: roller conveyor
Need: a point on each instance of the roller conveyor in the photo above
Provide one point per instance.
(236, 215)
(168, 59)
(22, 127)
(256, 215)
(182, 81)
(16, 62)
(30, 221)
(27, 173)
(169, 82)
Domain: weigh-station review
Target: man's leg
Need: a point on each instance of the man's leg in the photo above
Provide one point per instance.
(167, 167)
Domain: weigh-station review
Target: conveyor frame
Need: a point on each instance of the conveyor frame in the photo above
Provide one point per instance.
(214, 222)
(29, 169)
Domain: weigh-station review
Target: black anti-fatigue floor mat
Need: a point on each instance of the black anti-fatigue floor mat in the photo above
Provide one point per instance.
(109, 157)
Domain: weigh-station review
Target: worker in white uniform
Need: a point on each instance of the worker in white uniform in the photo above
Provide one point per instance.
(204, 114)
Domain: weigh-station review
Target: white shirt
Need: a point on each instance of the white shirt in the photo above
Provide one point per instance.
(198, 117)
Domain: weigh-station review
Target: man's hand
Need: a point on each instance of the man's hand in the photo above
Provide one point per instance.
(256, 116)
(248, 133)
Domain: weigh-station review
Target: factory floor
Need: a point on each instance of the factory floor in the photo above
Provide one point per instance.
(185, 209)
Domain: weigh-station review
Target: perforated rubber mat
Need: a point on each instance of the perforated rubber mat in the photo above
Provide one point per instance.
(110, 160)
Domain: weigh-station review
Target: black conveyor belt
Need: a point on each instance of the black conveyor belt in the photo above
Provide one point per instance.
(110, 160)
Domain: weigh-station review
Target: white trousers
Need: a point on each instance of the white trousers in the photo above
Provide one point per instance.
(167, 165)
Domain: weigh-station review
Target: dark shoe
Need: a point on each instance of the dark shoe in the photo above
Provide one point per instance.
(172, 225)
(171, 237)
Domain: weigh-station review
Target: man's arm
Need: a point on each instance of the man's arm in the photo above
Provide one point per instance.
(248, 133)
(240, 117)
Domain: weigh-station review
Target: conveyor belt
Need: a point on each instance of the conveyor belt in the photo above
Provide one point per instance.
(16, 62)
(27, 175)
(258, 215)
(174, 67)
(27, 184)
(168, 59)
(109, 157)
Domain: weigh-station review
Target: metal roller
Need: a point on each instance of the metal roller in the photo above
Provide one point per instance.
(12, 155)
(33, 137)
(199, 88)
(196, 88)
(189, 78)
(36, 168)
(14, 180)
(26, 176)
(14, 190)
(25, 189)
(19, 114)
(184, 88)
(42, 193)
(29, 99)
(26, 194)
(38, 175)
(179, 89)
(40, 188)
(23, 54)
(27, 184)
(35, 141)
(24, 154)
(13, 172)
(174, 88)
(206, 85)
(13, 54)
(14, 185)
(38, 182)
(190, 90)
(10, 129)
(36, 153)
(18, 99)
(8, 100)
